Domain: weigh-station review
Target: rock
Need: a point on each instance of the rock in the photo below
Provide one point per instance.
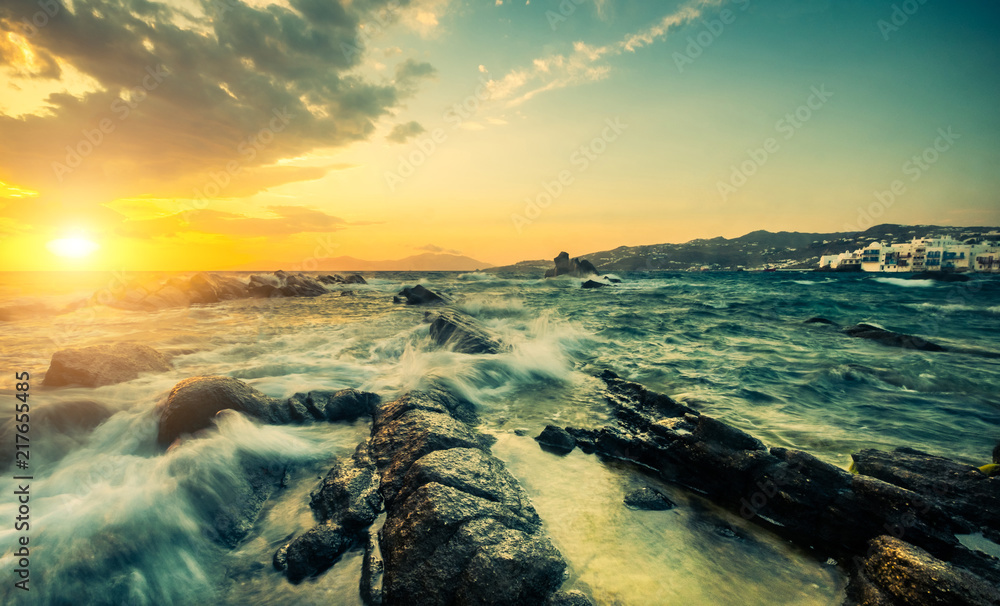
(211, 288)
(611, 280)
(355, 279)
(461, 332)
(341, 405)
(890, 338)
(418, 295)
(347, 293)
(349, 494)
(648, 499)
(573, 267)
(315, 551)
(818, 320)
(569, 598)
(895, 572)
(556, 439)
(372, 570)
(299, 285)
(961, 490)
(103, 365)
(593, 284)
(459, 529)
(193, 403)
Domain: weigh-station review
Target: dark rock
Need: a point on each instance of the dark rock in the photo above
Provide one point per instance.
(612, 280)
(573, 267)
(347, 293)
(818, 320)
(648, 499)
(328, 279)
(342, 405)
(895, 572)
(103, 365)
(193, 403)
(211, 288)
(556, 439)
(961, 490)
(890, 338)
(299, 285)
(461, 332)
(592, 284)
(355, 279)
(349, 494)
(569, 598)
(418, 295)
(315, 551)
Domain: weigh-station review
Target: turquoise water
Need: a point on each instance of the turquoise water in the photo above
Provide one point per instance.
(732, 345)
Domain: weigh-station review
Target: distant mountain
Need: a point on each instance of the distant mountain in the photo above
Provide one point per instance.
(421, 262)
(758, 249)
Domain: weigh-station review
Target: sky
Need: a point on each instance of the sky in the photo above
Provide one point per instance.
(258, 134)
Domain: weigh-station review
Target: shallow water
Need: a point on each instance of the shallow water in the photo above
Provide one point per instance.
(108, 513)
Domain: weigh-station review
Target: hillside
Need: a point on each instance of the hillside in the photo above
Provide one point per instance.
(755, 250)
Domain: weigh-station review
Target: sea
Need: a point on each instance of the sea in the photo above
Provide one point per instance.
(109, 523)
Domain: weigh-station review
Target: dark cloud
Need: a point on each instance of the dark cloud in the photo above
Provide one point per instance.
(437, 249)
(401, 133)
(184, 95)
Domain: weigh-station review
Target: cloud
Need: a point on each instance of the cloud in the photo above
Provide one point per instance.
(437, 249)
(401, 133)
(183, 90)
(285, 220)
(586, 63)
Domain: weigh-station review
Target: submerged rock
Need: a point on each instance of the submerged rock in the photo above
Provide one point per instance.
(593, 284)
(556, 439)
(896, 572)
(461, 332)
(572, 267)
(890, 338)
(819, 320)
(569, 598)
(648, 499)
(315, 551)
(103, 365)
(418, 295)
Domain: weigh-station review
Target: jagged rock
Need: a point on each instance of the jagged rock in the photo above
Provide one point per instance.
(315, 551)
(103, 365)
(648, 499)
(459, 529)
(299, 285)
(355, 279)
(593, 284)
(556, 439)
(193, 403)
(960, 489)
(896, 573)
(349, 494)
(211, 288)
(890, 338)
(341, 405)
(461, 332)
(418, 295)
(573, 267)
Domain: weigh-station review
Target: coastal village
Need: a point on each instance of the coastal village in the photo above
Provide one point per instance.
(919, 255)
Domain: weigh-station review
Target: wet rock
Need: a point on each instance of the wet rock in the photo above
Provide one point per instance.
(299, 285)
(193, 403)
(315, 551)
(593, 284)
(573, 267)
(896, 573)
(569, 598)
(556, 439)
(211, 288)
(611, 280)
(347, 293)
(418, 295)
(890, 338)
(461, 332)
(459, 528)
(961, 490)
(341, 405)
(355, 279)
(103, 365)
(349, 494)
(648, 499)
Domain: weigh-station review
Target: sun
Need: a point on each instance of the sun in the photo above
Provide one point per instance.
(72, 248)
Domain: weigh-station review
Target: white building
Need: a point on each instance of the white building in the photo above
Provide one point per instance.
(921, 254)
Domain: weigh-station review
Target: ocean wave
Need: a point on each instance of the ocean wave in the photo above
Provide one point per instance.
(907, 283)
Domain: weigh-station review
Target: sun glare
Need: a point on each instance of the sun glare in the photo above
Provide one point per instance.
(72, 248)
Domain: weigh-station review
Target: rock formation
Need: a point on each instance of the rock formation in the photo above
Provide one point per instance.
(103, 365)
